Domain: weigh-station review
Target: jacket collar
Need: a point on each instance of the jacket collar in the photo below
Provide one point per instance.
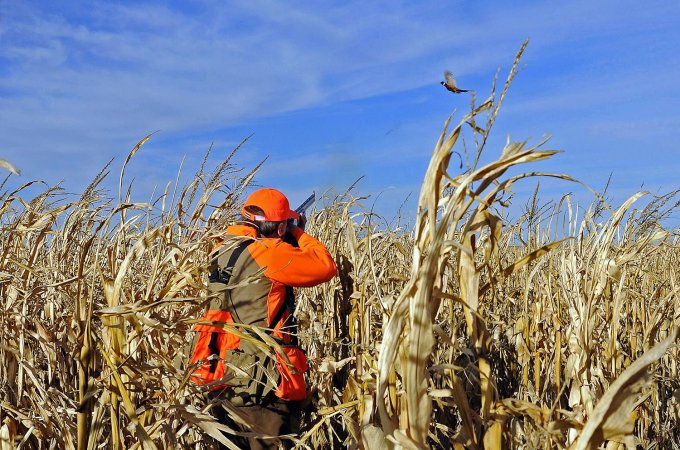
(242, 230)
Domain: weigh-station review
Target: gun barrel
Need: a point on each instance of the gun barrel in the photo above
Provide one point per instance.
(306, 204)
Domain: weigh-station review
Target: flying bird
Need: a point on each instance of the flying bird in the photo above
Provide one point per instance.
(450, 83)
(9, 166)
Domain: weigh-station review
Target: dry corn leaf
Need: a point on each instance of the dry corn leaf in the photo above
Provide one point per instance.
(612, 414)
(208, 424)
(8, 433)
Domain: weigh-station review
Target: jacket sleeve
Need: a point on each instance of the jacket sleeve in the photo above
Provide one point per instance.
(306, 266)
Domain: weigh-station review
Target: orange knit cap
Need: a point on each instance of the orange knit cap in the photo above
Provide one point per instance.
(274, 204)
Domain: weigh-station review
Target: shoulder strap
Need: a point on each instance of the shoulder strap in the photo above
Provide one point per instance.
(229, 269)
(223, 274)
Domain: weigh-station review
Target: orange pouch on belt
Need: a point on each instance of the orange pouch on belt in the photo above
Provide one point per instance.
(211, 348)
(292, 385)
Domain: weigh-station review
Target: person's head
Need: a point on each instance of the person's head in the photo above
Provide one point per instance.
(269, 210)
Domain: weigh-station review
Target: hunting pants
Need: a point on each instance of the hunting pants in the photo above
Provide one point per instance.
(273, 417)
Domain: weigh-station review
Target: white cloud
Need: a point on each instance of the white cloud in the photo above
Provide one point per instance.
(91, 79)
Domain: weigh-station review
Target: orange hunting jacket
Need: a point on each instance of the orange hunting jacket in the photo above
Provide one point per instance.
(267, 270)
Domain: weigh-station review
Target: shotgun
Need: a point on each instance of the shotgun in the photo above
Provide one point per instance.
(306, 204)
(302, 209)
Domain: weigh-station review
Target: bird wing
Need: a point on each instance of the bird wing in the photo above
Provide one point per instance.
(9, 166)
(449, 78)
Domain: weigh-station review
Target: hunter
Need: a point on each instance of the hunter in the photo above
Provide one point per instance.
(252, 276)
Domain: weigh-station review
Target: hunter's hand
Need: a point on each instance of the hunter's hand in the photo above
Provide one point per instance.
(302, 221)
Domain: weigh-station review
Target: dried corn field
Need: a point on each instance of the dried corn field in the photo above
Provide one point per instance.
(557, 330)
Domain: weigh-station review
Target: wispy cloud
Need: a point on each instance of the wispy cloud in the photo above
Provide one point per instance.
(80, 82)
(126, 68)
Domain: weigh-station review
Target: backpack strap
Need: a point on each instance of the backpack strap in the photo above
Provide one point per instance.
(223, 275)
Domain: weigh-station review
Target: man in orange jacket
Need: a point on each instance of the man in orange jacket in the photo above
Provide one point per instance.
(251, 281)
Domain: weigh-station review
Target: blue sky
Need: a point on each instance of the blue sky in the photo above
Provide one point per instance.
(332, 91)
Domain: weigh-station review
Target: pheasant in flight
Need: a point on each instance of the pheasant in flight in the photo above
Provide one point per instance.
(450, 83)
